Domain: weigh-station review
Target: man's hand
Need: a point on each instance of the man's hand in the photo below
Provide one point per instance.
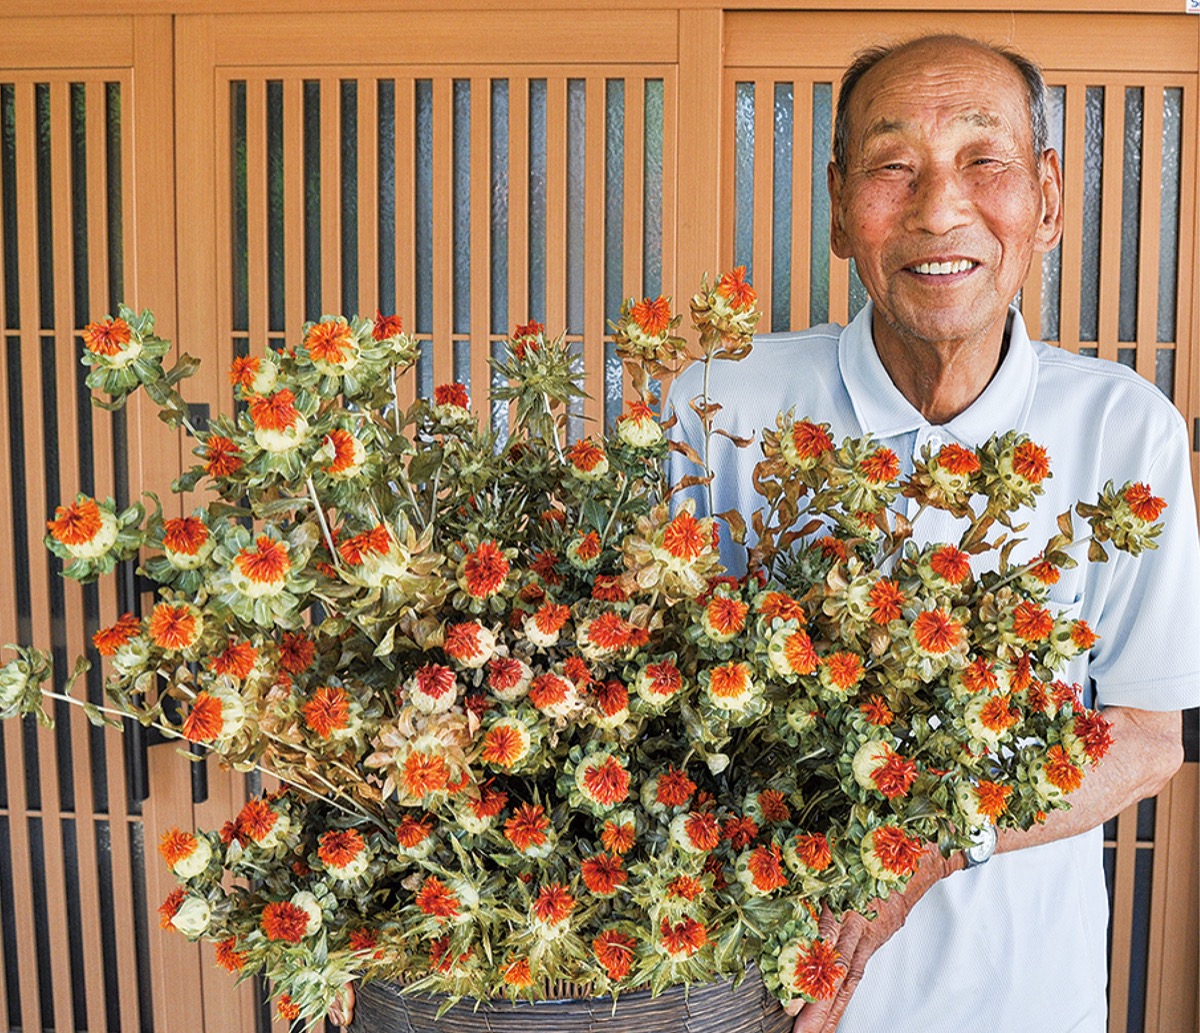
(342, 1012)
(857, 938)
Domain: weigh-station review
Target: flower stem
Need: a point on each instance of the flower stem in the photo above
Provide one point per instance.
(312, 492)
(551, 429)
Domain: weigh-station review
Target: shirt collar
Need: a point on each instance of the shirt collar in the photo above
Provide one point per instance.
(884, 412)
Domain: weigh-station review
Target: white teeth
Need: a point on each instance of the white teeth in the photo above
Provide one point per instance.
(961, 265)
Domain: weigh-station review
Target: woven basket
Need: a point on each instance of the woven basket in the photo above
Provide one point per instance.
(715, 1008)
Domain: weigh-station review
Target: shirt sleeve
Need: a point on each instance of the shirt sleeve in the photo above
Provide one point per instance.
(1148, 655)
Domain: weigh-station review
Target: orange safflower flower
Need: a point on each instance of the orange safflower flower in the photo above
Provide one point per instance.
(462, 640)
(609, 631)
(1031, 462)
(740, 830)
(618, 839)
(413, 831)
(1045, 572)
(886, 601)
(296, 652)
(897, 851)
(684, 537)
(684, 937)
(603, 873)
(652, 316)
(504, 673)
(1061, 771)
(503, 746)
(880, 466)
(452, 394)
(950, 563)
(831, 547)
(490, 803)
(585, 455)
(614, 950)
(685, 887)
(386, 326)
(548, 690)
(169, 908)
(936, 631)
(727, 616)
(810, 439)
(765, 865)
(274, 412)
(343, 450)
(895, 776)
(237, 660)
(76, 524)
(108, 640)
(702, 830)
(283, 920)
(734, 289)
(175, 845)
(817, 972)
(1023, 673)
(355, 549)
(106, 337)
(611, 697)
(674, 788)
(518, 974)
(993, 798)
(729, 680)
(328, 711)
(328, 342)
(800, 653)
(172, 627)
(845, 669)
(774, 805)
(228, 956)
(553, 904)
(437, 899)
(256, 819)
(424, 773)
(778, 604)
(998, 714)
(607, 782)
(607, 588)
(1142, 504)
(1032, 622)
(266, 563)
(243, 370)
(978, 676)
(957, 460)
(485, 570)
(550, 617)
(289, 1010)
(527, 826)
(338, 847)
(222, 458)
(813, 849)
(185, 535)
(206, 719)
(876, 710)
(1095, 732)
(664, 678)
(1082, 635)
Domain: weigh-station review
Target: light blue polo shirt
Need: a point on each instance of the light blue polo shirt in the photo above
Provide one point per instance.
(1020, 943)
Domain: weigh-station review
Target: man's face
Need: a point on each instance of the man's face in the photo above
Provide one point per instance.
(943, 202)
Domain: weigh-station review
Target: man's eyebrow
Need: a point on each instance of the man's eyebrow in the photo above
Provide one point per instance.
(975, 117)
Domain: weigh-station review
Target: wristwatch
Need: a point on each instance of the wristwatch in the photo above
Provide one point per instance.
(983, 845)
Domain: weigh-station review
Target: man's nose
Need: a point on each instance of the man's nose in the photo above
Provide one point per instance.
(939, 202)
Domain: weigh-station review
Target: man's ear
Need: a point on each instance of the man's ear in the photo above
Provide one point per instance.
(837, 236)
(1050, 228)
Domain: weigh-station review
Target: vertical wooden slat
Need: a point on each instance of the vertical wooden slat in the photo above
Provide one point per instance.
(481, 248)
(1110, 217)
(1072, 241)
(405, 137)
(839, 269)
(1031, 298)
(518, 200)
(65, 217)
(256, 211)
(443, 229)
(729, 189)
(121, 864)
(593, 270)
(556, 204)
(764, 150)
(33, 375)
(368, 196)
(331, 195)
(222, 355)
(293, 206)
(1148, 247)
(1121, 920)
(802, 129)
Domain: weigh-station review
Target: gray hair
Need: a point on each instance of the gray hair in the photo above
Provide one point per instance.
(865, 60)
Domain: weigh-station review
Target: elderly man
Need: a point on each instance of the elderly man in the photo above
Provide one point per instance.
(942, 190)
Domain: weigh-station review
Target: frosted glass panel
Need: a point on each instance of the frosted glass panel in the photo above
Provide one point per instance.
(1093, 169)
(858, 293)
(1052, 261)
(1131, 214)
(462, 210)
(1164, 371)
(239, 295)
(781, 209)
(349, 140)
(576, 167)
(275, 229)
(312, 202)
(1168, 233)
(387, 201)
(743, 177)
(819, 232)
(652, 186)
(423, 178)
(536, 303)
(499, 207)
(614, 196)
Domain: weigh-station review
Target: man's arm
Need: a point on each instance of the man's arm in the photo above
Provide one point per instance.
(1145, 754)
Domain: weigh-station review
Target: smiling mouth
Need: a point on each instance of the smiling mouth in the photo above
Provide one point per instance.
(958, 265)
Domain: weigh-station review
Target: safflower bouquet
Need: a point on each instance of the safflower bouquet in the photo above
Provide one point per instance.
(527, 729)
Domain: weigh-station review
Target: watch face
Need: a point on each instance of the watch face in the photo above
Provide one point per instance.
(984, 845)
